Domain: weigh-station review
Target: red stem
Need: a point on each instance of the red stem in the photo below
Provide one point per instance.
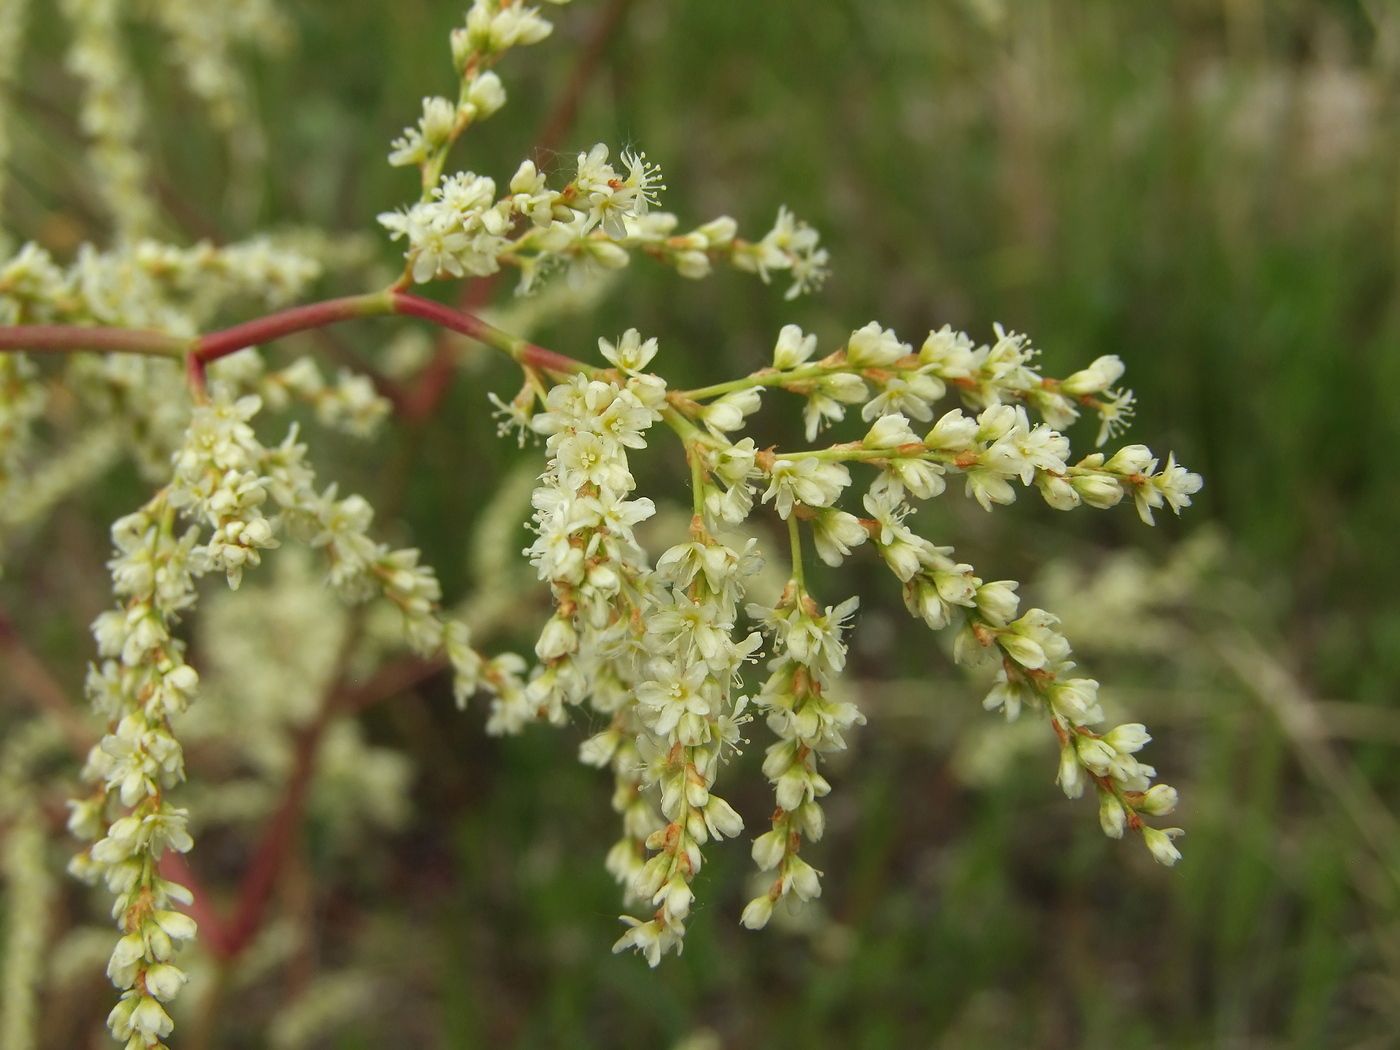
(65, 338)
(287, 322)
(525, 353)
(279, 834)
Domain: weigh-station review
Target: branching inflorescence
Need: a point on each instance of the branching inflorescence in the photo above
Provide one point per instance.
(659, 650)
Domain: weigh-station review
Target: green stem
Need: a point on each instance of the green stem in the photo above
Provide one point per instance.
(697, 479)
(771, 377)
(795, 541)
(858, 454)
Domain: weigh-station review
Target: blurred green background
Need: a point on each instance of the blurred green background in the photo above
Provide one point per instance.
(1207, 188)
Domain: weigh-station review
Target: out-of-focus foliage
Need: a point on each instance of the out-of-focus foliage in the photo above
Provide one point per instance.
(1206, 188)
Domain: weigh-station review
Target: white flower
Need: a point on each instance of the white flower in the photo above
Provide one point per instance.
(1097, 490)
(1176, 484)
(164, 981)
(951, 353)
(1160, 843)
(1132, 459)
(890, 432)
(727, 413)
(757, 913)
(835, 532)
(485, 95)
(1098, 377)
(817, 483)
(912, 395)
(1071, 774)
(952, 432)
(997, 601)
(1112, 817)
(874, 347)
(820, 410)
(1159, 800)
(988, 487)
(629, 354)
(793, 348)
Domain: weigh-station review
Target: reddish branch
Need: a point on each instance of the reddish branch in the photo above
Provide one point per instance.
(63, 338)
(278, 837)
(527, 354)
(200, 352)
(287, 322)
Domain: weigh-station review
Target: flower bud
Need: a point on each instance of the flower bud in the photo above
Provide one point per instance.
(1058, 492)
(1160, 843)
(1071, 775)
(1098, 377)
(1097, 490)
(793, 348)
(889, 432)
(1132, 459)
(952, 431)
(164, 981)
(757, 913)
(1112, 818)
(804, 879)
(557, 639)
(1126, 739)
(874, 347)
(998, 601)
(719, 232)
(486, 95)
(1025, 652)
(1160, 800)
(768, 849)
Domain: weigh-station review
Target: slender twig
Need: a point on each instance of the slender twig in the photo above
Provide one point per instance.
(65, 339)
(279, 835)
(211, 347)
(286, 322)
(520, 350)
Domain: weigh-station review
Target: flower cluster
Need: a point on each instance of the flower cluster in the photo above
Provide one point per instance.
(143, 681)
(223, 480)
(492, 28)
(790, 245)
(911, 383)
(459, 228)
(808, 722)
(997, 447)
(658, 652)
(1035, 673)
